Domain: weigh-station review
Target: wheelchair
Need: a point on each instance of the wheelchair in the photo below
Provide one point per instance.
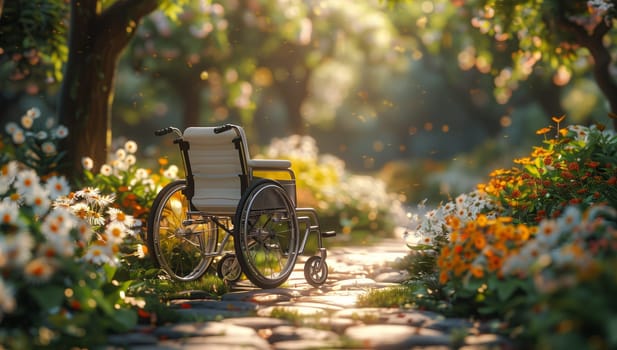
(221, 201)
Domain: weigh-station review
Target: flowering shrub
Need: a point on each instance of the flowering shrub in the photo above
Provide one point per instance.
(542, 241)
(569, 268)
(346, 202)
(58, 255)
(578, 166)
(35, 141)
(135, 187)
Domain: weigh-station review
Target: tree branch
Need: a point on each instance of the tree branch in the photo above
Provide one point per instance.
(600, 54)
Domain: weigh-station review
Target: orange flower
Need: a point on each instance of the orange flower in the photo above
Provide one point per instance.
(443, 277)
(477, 271)
(573, 166)
(479, 241)
(482, 220)
(545, 130)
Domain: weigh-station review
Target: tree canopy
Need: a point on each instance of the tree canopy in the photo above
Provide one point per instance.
(321, 61)
(542, 41)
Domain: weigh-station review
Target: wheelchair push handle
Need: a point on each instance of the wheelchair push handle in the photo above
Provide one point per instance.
(163, 131)
(222, 128)
(166, 131)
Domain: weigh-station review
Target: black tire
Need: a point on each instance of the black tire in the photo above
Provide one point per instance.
(228, 268)
(266, 234)
(177, 247)
(314, 275)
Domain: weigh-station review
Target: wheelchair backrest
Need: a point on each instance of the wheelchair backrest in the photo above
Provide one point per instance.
(216, 166)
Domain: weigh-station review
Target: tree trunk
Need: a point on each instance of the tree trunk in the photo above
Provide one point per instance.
(294, 89)
(189, 92)
(96, 41)
(602, 74)
(594, 42)
(294, 92)
(546, 94)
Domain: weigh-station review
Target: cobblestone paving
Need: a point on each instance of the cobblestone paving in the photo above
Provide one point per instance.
(316, 318)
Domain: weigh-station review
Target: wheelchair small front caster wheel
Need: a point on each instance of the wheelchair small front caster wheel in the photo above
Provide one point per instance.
(315, 271)
(228, 268)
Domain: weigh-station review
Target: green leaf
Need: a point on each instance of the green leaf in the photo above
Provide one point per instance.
(124, 319)
(48, 297)
(611, 331)
(505, 289)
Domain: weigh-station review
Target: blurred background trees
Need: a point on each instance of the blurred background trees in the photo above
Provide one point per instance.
(403, 88)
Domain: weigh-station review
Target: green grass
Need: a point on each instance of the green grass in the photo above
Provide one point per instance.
(398, 296)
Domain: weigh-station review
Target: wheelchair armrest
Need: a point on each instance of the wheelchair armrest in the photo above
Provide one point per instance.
(269, 164)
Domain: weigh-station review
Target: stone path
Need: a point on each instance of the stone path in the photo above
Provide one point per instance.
(298, 316)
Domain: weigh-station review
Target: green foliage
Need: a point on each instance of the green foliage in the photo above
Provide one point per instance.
(36, 142)
(134, 186)
(33, 39)
(543, 43)
(531, 270)
(577, 167)
(58, 263)
(243, 56)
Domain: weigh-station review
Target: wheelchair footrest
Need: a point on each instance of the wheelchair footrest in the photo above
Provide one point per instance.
(328, 234)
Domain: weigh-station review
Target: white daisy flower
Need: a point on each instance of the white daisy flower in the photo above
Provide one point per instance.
(570, 218)
(105, 200)
(60, 132)
(9, 212)
(11, 128)
(141, 174)
(99, 254)
(80, 210)
(130, 160)
(39, 270)
(64, 247)
(105, 170)
(9, 171)
(115, 232)
(141, 251)
(26, 180)
(26, 121)
(57, 223)
(39, 200)
(84, 231)
(18, 137)
(58, 186)
(33, 113)
(88, 193)
(48, 148)
(87, 163)
(18, 248)
(120, 216)
(130, 146)
(120, 154)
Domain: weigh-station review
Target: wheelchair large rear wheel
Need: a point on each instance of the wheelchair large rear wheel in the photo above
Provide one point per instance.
(179, 245)
(266, 234)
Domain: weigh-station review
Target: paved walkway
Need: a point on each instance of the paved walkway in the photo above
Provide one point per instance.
(299, 316)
